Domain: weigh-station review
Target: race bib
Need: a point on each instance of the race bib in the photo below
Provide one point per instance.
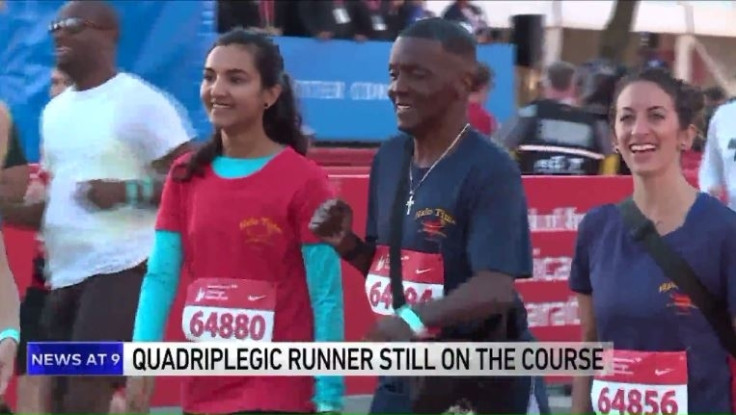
(423, 277)
(229, 310)
(378, 24)
(341, 15)
(645, 383)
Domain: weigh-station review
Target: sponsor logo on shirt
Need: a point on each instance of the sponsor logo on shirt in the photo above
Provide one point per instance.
(434, 222)
(680, 302)
(260, 230)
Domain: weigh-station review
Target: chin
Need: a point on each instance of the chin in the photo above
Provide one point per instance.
(646, 170)
(220, 124)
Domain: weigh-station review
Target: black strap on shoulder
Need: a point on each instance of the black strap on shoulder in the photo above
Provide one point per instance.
(396, 234)
(679, 271)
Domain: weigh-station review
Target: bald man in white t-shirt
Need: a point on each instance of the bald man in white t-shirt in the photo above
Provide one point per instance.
(107, 143)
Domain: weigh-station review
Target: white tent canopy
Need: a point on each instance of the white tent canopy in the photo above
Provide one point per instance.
(709, 18)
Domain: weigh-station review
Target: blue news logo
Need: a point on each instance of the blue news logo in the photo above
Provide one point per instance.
(69, 359)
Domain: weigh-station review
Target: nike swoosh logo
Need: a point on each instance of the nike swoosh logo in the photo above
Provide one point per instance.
(255, 297)
(662, 372)
(423, 271)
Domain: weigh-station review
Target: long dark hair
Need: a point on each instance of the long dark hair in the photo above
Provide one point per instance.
(688, 100)
(281, 121)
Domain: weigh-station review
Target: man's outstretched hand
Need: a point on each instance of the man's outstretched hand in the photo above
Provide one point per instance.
(332, 222)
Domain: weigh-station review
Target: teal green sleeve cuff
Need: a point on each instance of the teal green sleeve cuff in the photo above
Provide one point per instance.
(10, 334)
(324, 281)
(159, 287)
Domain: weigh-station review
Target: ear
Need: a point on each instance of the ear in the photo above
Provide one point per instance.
(614, 140)
(271, 95)
(687, 137)
(466, 83)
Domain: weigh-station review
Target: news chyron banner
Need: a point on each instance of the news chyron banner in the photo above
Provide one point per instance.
(319, 359)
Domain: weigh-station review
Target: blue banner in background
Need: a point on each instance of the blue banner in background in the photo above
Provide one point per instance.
(82, 358)
(342, 86)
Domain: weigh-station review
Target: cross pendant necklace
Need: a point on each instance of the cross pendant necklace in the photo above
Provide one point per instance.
(410, 202)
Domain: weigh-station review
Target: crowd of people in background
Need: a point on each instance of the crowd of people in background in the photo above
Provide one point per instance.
(348, 20)
(579, 92)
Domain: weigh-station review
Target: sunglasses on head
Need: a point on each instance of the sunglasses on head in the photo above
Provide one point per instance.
(73, 25)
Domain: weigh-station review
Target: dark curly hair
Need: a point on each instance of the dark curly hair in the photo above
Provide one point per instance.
(281, 121)
(689, 102)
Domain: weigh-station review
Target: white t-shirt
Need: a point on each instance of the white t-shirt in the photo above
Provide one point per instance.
(718, 167)
(114, 132)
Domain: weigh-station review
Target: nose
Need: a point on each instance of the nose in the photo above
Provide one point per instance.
(218, 87)
(641, 126)
(58, 34)
(397, 87)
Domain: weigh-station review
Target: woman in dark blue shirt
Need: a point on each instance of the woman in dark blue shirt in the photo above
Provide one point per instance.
(668, 358)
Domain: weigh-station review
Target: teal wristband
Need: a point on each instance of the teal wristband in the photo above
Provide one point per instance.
(10, 334)
(131, 192)
(412, 319)
(147, 190)
(324, 407)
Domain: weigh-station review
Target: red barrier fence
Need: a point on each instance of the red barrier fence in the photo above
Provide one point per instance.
(556, 206)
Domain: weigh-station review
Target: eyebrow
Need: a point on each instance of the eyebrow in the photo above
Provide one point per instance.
(230, 71)
(656, 107)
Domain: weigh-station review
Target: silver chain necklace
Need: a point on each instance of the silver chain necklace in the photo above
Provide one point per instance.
(410, 202)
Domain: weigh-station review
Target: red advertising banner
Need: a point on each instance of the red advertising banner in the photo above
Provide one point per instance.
(556, 207)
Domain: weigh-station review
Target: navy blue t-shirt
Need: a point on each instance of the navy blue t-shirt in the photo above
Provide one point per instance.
(637, 308)
(471, 209)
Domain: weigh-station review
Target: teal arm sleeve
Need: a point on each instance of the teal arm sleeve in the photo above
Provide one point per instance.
(324, 280)
(159, 287)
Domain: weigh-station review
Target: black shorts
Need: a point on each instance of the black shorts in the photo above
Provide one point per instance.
(31, 309)
(101, 308)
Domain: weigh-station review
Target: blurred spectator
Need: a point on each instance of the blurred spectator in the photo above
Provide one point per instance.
(371, 19)
(714, 97)
(648, 57)
(596, 83)
(14, 177)
(478, 116)
(551, 136)
(335, 19)
(417, 10)
(488, 35)
(396, 13)
(59, 82)
(260, 15)
(717, 174)
(467, 14)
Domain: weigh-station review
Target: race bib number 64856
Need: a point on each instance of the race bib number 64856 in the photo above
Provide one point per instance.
(642, 383)
(610, 398)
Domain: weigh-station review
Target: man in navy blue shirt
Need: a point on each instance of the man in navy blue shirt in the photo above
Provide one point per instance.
(464, 217)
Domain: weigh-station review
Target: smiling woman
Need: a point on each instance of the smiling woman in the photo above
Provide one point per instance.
(235, 214)
(624, 296)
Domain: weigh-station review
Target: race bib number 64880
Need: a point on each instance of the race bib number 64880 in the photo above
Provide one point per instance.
(229, 310)
(228, 324)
